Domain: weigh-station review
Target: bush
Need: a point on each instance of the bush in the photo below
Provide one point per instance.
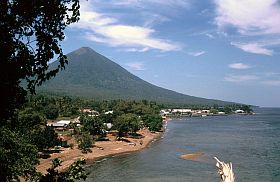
(85, 143)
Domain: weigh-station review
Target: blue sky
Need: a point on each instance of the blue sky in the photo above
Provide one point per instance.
(220, 49)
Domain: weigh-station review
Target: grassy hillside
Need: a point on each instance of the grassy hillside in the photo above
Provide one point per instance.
(92, 75)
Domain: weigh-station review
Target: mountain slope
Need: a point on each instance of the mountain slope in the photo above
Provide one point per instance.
(92, 75)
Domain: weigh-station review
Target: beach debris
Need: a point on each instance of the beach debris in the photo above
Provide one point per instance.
(131, 143)
(100, 148)
(192, 156)
(225, 170)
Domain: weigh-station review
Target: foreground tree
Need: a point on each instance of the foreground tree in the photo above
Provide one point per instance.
(30, 32)
(73, 173)
(44, 138)
(17, 156)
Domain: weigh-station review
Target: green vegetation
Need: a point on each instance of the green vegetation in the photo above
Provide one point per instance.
(153, 122)
(93, 125)
(44, 138)
(73, 173)
(85, 142)
(18, 156)
(228, 109)
(127, 123)
(30, 33)
(126, 116)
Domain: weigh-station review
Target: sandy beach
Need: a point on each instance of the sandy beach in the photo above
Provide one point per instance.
(101, 149)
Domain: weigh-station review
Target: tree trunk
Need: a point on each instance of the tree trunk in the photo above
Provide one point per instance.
(225, 171)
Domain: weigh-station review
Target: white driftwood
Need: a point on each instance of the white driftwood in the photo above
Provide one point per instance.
(225, 171)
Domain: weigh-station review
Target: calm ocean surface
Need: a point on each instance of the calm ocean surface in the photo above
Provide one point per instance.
(251, 143)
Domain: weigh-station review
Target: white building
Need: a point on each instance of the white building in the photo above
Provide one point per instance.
(60, 124)
(238, 111)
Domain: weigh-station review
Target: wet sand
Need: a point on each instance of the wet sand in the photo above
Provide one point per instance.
(192, 156)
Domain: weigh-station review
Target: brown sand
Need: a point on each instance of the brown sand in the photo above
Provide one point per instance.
(192, 156)
(101, 149)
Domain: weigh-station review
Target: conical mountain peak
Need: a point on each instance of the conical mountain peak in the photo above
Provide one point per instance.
(83, 50)
(92, 75)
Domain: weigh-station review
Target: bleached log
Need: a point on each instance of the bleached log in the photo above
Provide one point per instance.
(225, 171)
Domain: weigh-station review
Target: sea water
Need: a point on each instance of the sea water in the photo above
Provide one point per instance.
(250, 142)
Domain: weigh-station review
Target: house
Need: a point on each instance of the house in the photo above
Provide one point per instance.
(60, 124)
(239, 111)
(90, 112)
(181, 111)
(109, 112)
(164, 112)
(108, 125)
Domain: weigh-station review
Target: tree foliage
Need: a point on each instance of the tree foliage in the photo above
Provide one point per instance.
(17, 155)
(44, 138)
(74, 172)
(153, 122)
(30, 33)
(85, 142)
(127, 123)
(93, 125)
(28, 118)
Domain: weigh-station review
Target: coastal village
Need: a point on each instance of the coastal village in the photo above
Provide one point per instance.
(69, 152)
(167, 113)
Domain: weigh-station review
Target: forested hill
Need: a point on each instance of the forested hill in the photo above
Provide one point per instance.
(92, 75)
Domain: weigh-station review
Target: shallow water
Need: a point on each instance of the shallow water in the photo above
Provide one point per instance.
(251, 143)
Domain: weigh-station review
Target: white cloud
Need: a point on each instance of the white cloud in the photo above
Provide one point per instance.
(144, 3)
(108, 30)
(209, 35)
(240, 78)
(178, 3)
(137, 50)
(239, 66)
(195, 54)
(254, 47)
(222, 33)
(272, 74)
(153, 19)
(138, 66)
(272, 82)
(249, 16)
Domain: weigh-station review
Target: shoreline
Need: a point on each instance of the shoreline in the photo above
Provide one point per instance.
(101, 149)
